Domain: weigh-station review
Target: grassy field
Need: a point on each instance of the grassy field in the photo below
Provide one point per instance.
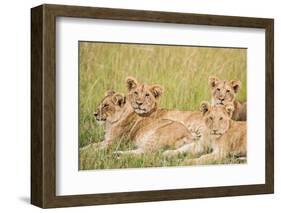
(183, 71)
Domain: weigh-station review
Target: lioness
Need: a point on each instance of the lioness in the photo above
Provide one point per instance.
(224, 136)
(147, 134)
(144, 101)
(225, 92)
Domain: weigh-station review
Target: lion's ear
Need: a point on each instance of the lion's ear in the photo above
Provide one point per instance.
(229, 108)
(109, 93)
(157, 90)
(119, 99)
(236, 85)
(131, 83)
(204, 107)
(213, 81)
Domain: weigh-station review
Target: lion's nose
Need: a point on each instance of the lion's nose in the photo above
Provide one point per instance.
(139, 103)
(215, 131)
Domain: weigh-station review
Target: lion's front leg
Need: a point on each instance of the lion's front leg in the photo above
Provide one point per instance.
(187, 148)
(138, 151)
(204, 159)
(190, 148)
(99, 146)
(196, 131)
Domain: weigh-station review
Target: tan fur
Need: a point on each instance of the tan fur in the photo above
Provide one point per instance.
(223, 135)
(147, 133)
(144, 100)
(224, 92)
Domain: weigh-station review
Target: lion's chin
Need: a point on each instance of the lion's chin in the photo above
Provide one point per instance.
(140, 111)
(100, 122)
(219, 102)
(217, 135)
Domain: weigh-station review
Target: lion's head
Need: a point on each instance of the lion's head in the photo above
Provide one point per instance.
(110, 107)
(217, 118)
(223, 91)
(142, 97)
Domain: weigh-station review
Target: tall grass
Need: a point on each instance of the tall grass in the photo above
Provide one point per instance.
(183, 71)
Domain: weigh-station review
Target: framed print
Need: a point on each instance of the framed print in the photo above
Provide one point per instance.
(136, 106)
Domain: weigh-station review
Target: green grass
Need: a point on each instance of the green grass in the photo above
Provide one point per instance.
(92, 158)
(183, 71)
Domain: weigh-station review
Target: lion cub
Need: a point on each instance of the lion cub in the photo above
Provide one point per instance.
(222, 135)
(144, 100)
(227, 137)
(148, 134)
(224, 92)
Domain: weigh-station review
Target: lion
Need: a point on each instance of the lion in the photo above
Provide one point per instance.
(144, 100)
(147, 134)
(224, 136)
(225, 92)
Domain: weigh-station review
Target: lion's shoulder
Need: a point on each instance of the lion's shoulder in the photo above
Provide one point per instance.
(237, 138)
(240, 111)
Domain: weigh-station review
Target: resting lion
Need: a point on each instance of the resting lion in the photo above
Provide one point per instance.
(148, 134)
(224, 136)
(144, 100)
(225, 92)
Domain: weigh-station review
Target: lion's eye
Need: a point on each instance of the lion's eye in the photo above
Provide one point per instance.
(218, 89)
(105, 105)
(220, 118)
(211, 118)
(227, 90)
(136, 93)
(147, 94)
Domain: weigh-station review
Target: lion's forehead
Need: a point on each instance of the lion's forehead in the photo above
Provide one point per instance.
(143, 88)
(218, 111)
(224, 85)
(105, 100)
